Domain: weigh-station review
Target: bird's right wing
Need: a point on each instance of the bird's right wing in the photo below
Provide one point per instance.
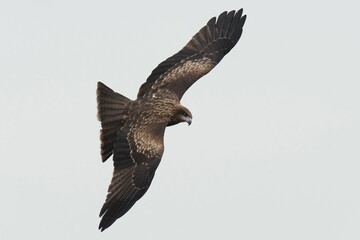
(137, 153)
(127, 186)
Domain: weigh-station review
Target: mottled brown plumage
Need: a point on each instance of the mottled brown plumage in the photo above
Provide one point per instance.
(133, 131)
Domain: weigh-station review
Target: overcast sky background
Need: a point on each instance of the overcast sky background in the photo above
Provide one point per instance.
(273, 151)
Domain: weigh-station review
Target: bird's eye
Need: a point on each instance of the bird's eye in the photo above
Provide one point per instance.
(182, 113)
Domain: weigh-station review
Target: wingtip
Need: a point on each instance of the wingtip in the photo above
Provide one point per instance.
(106, 223)
(243, 19)
(101, 228)
(211, 21)
(102, 225)
(232, 12)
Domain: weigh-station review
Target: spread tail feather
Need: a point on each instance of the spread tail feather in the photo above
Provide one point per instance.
(112, 113)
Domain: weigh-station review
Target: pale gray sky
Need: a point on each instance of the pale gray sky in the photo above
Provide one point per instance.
(273, 151)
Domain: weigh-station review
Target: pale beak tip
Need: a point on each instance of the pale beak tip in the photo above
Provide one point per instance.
(189, 120)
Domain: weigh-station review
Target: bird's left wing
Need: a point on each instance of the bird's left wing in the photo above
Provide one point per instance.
(204, 51)
(137, 153)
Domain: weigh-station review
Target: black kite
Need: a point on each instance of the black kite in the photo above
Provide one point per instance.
(133, 131)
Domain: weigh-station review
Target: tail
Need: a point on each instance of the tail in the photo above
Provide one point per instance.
(112, 113)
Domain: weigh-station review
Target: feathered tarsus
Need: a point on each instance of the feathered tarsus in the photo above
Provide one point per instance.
(132, 131)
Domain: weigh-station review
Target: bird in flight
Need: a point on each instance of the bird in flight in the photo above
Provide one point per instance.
(133, 131)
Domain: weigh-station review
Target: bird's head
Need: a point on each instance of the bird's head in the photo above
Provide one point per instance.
(182, 114)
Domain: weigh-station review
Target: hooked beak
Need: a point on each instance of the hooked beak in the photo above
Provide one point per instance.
(188, 120)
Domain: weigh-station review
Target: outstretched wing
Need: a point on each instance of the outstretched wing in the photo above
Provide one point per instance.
(204, 51)
(137, 153)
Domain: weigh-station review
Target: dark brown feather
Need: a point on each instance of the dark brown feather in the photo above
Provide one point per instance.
(112, 112)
